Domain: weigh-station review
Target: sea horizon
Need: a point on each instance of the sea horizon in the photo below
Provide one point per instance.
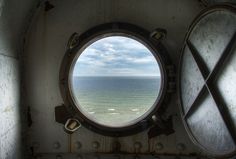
(112, 99)
(116, 76)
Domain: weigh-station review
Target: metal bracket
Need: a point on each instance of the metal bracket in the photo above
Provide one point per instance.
(70, 123)
(161, 127)
(158, 34)
(73, 41)
(61, 114)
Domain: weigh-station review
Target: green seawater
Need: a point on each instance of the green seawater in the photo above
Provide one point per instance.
(115, 101)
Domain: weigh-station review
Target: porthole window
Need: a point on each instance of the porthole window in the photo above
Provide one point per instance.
(115, 79)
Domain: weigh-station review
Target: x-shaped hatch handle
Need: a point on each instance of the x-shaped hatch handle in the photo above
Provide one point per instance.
(209, 77)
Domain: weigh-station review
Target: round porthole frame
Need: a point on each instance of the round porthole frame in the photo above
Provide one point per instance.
(77, 42)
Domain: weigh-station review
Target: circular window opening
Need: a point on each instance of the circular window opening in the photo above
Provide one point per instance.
(115, 81)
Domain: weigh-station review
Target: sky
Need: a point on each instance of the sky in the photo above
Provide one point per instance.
(116, 56)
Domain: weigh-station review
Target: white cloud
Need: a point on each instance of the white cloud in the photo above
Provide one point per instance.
(117, 55)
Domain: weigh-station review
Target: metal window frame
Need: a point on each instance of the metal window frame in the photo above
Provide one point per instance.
(78, 42)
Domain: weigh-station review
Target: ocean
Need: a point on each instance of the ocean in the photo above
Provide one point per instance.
(115, 101)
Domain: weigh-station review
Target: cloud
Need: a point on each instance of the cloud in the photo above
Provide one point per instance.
(116, 55)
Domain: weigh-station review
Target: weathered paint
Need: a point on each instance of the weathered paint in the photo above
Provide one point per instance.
(9, 108)
(13, 17)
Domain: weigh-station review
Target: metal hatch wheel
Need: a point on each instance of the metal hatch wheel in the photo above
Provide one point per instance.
(207, 81)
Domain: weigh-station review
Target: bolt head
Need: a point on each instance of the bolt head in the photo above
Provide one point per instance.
(56, 145)
(159, 146)
(95, 144)
(154, 118)
(180, 146)
(78, 145)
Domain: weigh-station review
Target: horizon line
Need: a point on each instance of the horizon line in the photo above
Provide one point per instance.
(117, 76)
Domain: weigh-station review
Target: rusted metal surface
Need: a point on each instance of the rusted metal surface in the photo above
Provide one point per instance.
(210, 44)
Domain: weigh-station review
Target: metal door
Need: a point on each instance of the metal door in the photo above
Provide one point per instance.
(207, 81)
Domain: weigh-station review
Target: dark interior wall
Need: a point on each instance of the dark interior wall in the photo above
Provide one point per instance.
(14, 16)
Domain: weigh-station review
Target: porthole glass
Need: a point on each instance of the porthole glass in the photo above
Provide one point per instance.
(115, 81)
